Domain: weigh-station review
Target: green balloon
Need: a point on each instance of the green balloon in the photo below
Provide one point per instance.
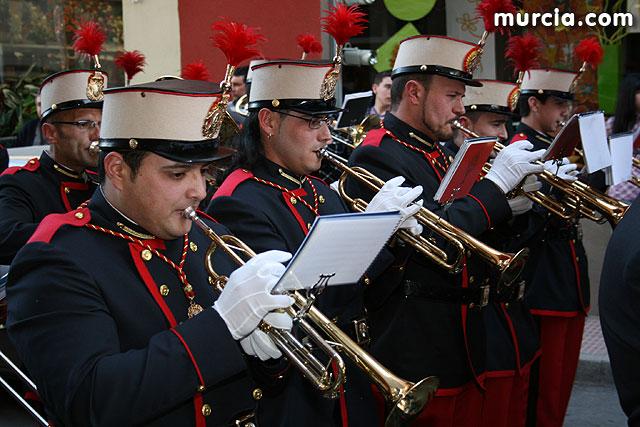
(409, 10)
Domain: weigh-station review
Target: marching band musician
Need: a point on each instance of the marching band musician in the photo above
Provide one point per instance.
(58, 181)
(430, 324)
(512, 336)
(269, 200)
(110, 306)
(556, 274)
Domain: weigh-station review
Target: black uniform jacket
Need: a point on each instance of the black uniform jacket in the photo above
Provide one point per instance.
(512, 335)
(31, 192)
(266, 217)
(557, 272)
(101, 325)
(619, 300)
(412, 335)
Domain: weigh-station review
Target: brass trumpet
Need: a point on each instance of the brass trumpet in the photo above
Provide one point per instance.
(242, 105)
(509, 266)
(405, 400)
(582, 199)
(353, 136)
(35, 414)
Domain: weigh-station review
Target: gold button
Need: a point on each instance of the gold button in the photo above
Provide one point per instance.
(200, 388)
(293, 200)
(506, 305)
(423, 68)
(146, 255)
(577, 258)
(188, 288)
(193, 247)
(206, 410)
(367, 281)
(32, 162)
(133, 144)
(472, 279)
(321, 199)
(164, 290)
(79, 215)
(66, 190)
(472, 305)
(249, 424)
(54, 107)
(401, 269)
(275, 102)
(257, 394)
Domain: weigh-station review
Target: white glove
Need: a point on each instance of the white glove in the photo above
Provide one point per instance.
(521, 204)
(259, 344)
(246, 298)
(531, 183)
(393, 197)
(513, 164)
(564, 169)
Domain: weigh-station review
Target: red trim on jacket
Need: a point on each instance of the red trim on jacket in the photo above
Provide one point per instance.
(514, 336)
(319, 179)
(136, 250)
(518, 137)
(483, 208)
(205, 215)
(232, 181)
(374, 137)
(72, 186)
(151, 285)
(577, 270)
(287, 200)
(193, 360)
(555, 313)
(30, 166)
(51, 223)
(463, 311)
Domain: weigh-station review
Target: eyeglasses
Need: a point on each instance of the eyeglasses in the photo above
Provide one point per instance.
(314, 122)
(82, 124)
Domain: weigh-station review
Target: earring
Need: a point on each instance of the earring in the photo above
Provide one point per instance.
(269, 136)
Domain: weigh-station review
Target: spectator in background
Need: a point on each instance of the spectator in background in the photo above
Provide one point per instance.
(238, 89)
(381, 88)
(31, 132)
(626, 119)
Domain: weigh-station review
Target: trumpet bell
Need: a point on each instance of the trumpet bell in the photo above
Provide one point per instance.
(410, 402)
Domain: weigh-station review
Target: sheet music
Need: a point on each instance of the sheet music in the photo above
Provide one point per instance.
(465, 169)
(355, 109)
(344, 245)
(621, 146)
(594, 141)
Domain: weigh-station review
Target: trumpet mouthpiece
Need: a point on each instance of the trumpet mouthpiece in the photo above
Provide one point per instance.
(189, 212)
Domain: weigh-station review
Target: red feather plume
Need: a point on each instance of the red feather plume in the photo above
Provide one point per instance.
(130, 61)
(523, 52)
(235, 40)
(196, 71)
(89, 38)
(308, 43)
(343, 22)
(487, 10)
(589, 50)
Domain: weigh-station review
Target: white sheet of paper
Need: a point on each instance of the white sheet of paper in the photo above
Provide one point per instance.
(621, 147)
(344, 245)
(594, 141)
